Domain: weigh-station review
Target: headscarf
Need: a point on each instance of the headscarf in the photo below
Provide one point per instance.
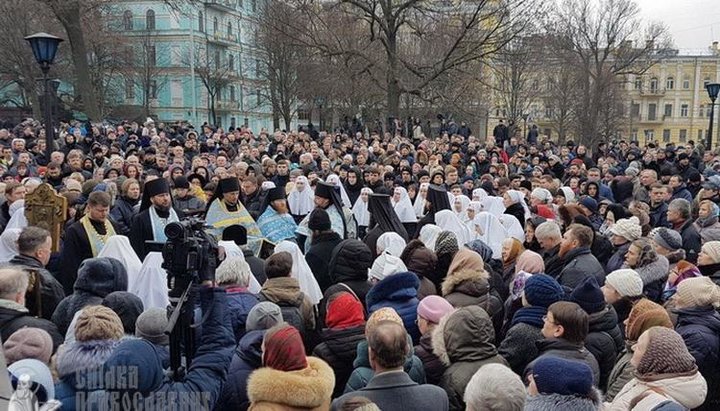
(284, 349)
(492, 232)
(119, 248)
(233, 250)
(419, 204)
(464, 201)
(17, 215)
(335, 180)
(382, 214)
(479, 194)
(466, 259)
(519, 197)
(530, 262)
(360, 209)
(493, 205)
(569, 194)
(391, 243)
(8, 244)
(449, 221)
(515, 249)
(151, 283)
(404, 208)
(429, 234)
(301, 271)
(512, 227)
(301, 202)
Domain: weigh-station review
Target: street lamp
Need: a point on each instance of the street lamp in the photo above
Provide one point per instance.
(713, 89)
(44, 47)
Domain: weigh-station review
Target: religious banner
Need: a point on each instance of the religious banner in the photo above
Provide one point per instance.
(46, 209)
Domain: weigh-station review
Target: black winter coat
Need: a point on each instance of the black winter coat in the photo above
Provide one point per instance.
(434, 368)
(348, 265)
(338, 349)
(319, 255)
(13, 318)
(691, 241)
(558, 347)
(604, 341)
(518, 211)
(700, 329)
(246, 359)
(580, 264)
(257, 266)
(51, 291)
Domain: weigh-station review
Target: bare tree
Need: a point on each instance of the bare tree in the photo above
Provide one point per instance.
(144, 68)
(214, 72)
(603, 41)
(560, 97)
(515, 77)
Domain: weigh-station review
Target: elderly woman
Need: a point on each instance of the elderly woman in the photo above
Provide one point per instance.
(707, 224)
(652, 268)
(511, 250)
(234, 275)
(709, 261)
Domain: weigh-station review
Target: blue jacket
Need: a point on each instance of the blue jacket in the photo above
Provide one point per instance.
(399, 292)
(247, 358)
(700, 329)
(239, 304)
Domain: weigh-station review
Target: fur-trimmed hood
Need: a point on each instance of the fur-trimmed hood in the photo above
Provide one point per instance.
(397, 287)
(471, 282)
(83, 355)
(465, 335)
(552, 402)
(309, 388)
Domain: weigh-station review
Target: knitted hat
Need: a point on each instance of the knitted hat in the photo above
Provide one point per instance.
(151, 325)
(698, 292)
(446, 243)
(386, 265)
(319, 220)
(382, 314)
(626, 282)
(96, 322)
(589, 296)
(433, 307)
(668, 239)
(263, 315)
(344, 311)
(666, 353)
(28, 342)
(712, 249)
(644, 315)
(530, 262)
(542, 290)
(628, 228)
(555, 375)
(589, 203)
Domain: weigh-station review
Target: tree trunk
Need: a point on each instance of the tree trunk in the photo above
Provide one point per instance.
(393, 85)
(288, 122)
(211, 120)
(70, 19)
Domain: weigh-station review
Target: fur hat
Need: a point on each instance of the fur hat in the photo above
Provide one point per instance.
(628, 228)
(97, 322)
(626, 282)
(28, 342)
(698, 292)
(127, 306)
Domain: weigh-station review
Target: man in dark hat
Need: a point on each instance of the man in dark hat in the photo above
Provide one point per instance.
(275, 220)
(156, 211)
(184, 198)
(225, 209)
(327, 197)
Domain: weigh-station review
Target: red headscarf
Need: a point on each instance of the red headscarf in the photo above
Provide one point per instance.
(344, 311)
(284, 350)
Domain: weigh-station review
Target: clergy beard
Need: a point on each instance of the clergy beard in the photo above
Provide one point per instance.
(162, 211)
(281, 208)
(231, 207)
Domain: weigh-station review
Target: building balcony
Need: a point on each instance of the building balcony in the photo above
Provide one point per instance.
(222, 5)
(223, 39)
(652, 92)
(227, 105)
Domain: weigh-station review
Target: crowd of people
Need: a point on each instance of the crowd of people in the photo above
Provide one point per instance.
(363, 271)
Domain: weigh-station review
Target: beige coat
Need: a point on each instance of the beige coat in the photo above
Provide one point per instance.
(687, 390)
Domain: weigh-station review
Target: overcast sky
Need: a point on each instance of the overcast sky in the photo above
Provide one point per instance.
(693, 23)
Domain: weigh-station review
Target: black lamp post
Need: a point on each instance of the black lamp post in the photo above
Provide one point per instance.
(44, 47)
(713, 89)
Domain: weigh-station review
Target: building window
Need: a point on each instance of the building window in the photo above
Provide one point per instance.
(686, 83)
(635, 110)
(670, 83)
(258, 97)
(215, 25)
(303, 115)
(229, 29)
(128, 20)
(638, 83)
(652, 111)
(201, 22)
(153, 89)
(684, 110)
(151, 57)
(549, 112)
(683, 135)
(217, 59)
(666, 135)
(232, 93)
(535, 85)
(649, 135)
(150, 19)
(668, 110)
(653, 85)
(231, 62)
(701, 111)
(129, 89)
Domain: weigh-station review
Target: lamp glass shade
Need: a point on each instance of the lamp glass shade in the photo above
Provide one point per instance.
(713, 89)
(44, 47)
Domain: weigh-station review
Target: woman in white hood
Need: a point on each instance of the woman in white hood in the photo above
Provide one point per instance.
(301, 271)
(360, 211)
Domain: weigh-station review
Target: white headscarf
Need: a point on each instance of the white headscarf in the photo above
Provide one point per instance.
(404, 208)
(151, 285)
(17, 215)
(267, 185)
(119, 248)
(386, 265)
(513, 227)
(449, 221)
(493, 205)
(478, 194)
(419, 205)
(490, 231)
(335, 180)
(8, 244)
(360, 209)
(301, 271)
(518, 197)
(569, 194)
(429, 234)
(301, 202)
(391, 243)
(233, 250)
(464, 201)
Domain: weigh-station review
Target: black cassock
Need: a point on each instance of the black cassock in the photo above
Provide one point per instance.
(75, 249)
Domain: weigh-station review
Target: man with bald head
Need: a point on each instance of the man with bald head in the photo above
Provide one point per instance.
(391, 388)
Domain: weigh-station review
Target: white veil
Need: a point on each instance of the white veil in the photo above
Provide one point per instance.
(119, 248)
(519, 197)
(335, 180)
(449, 221)
(404, 208)
(17, 215)
(151, 285)
(391, 243)
(233, 250)
(419, 205)
(301, 202)
(8, 244)
(301, 271)
(429, 234)
(490, 231)
(513, 227)
(464, 202)
(360, 209)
